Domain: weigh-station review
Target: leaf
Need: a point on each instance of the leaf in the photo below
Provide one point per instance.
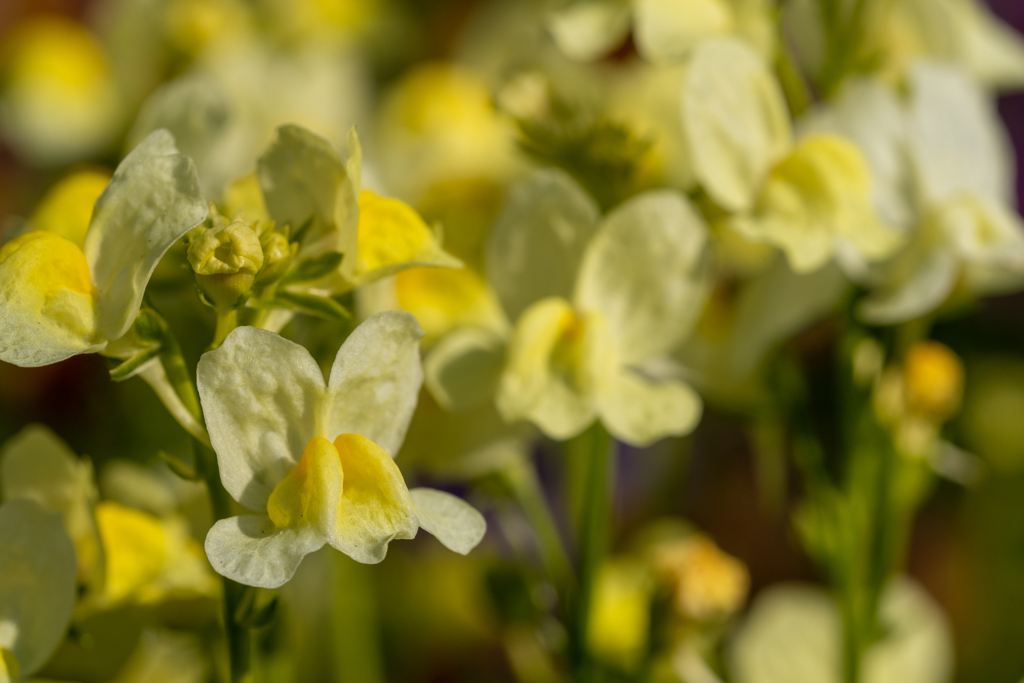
(301, 232)
(179, 466)
(313, 269)
(129, 367)
(311, 304)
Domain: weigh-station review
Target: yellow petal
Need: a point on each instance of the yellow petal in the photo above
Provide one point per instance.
(393, 236)
(546, 379)
(819, 195)
(135, 548)
(67, 208)
(246, 197)
(375, 504)
(445, 298)
(310, 494)
(47, 308)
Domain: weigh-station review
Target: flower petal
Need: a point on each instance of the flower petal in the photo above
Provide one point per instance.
(252, 551)
(644, 271)
(36, 465)
(545, 372)
(152, 200)
(376, 379)
(667, 30)
(957, 141)
(47, 305)
(375, 503)
(918, 282)
(261, 395)
(451, 520)
(462, 371)
(586, 30)
(37, 582)
(392, 236)
(735, 120)
(640, 411)
(538, 242)
(302, 176)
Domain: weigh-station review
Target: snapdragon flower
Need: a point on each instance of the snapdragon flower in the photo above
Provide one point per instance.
(37, 587)
(811, 199)
(58, 300)
(596, 304)
(941, 153)
(312, 458)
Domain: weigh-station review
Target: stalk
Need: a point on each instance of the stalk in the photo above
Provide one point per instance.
(595, 520)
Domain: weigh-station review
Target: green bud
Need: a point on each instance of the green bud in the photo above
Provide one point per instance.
(278, 254)
(226, 259)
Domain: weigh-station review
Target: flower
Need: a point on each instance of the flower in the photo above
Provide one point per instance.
(58, 300)
(37, 586)
(596, 304)
(313, 458)
(813, 199)
(665, 31)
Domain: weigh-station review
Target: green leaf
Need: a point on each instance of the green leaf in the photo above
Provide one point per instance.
(311, 304)
(127, 368)
(300, 233)
(179, 466)
(313, 269)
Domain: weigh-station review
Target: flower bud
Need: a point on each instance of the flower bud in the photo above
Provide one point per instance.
(934, 378)
(278, 254)
(226, 259)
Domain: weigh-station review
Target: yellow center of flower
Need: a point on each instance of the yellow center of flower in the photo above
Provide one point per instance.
(134, 547)
(390, 232)
(9, 669)
(67, 207)
(56, 50)
(332, 482)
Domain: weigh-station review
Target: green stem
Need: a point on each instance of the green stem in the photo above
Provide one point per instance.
(595, 520)
(521, 479)
(794, 86)
(238, 637)
(226, 321)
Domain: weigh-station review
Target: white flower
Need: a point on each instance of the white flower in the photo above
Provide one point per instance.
(314, 458)
(58, 300)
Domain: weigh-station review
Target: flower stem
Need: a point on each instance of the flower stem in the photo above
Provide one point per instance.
(522, 481)
(595, 517)
(226, 321)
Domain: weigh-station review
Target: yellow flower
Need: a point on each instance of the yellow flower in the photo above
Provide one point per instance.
(58, 299)
(618, 629)
(813, 200)
(61, 102)
(312, 458)
(706, 583)
(67, 207)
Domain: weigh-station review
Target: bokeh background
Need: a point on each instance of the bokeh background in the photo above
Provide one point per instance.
(431, 614)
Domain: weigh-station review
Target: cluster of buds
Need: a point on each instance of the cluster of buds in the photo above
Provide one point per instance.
(916, 398)
(706, 584)
(235, 259)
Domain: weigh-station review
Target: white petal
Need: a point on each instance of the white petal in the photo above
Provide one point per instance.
(735, 119)
(151, 202)
(449, 519)
(639, 411)
(537, 245)
(302, 176)
(463, 369)
(261, 395)
(37, 582)
(586, 30)
(793, 634)
(376, 380)
(958, 143)
(666, 30)
(644, 271)
(918, 282)
(251, 550)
